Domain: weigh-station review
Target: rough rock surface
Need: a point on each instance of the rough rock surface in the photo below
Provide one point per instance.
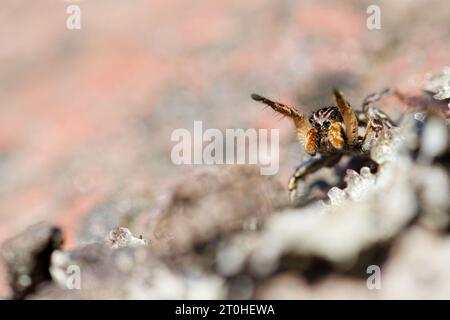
(27, 257)
(87, 115)
(228, 232)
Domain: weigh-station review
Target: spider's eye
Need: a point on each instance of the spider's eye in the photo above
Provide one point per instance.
(326, 124)
(317, 125)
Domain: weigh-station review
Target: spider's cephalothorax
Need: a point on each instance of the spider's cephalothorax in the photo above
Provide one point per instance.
(333, 131)
(326, 133)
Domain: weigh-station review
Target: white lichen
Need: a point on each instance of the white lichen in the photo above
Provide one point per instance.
(122, 237)
(439, 84)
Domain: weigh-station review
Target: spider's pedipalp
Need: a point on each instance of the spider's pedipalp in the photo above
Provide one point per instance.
(335, 136)
(349, 118)
(310, 143)
(299, 119)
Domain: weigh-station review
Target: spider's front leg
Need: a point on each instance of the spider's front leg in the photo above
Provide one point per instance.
(349, 117)
(309, 166)
(303, 130)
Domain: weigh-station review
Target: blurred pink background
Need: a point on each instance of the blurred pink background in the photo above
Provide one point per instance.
(86, 115)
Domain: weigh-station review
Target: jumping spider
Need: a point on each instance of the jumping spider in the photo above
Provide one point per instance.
(333, 131)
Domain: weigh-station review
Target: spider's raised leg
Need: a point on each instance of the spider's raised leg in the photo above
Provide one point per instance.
(309, 166)
(299, 119)
(370, 111)
(349, 118)
(376, 96)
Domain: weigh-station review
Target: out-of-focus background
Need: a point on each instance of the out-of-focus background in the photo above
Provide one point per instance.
(86, 115)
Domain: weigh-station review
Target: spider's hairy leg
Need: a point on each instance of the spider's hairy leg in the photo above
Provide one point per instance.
(376, 96)
(310, 143)
(348, 116)
(308, 167)
(372, 128)
(299, 119)
(369, 134)
(371, 111)
(335, 136)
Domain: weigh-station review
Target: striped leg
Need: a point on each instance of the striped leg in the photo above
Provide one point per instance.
(376, 96)
(309, 166)
(299, 119)
(349, 118)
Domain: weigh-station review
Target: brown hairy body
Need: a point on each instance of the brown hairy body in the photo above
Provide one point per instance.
(332, 131)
